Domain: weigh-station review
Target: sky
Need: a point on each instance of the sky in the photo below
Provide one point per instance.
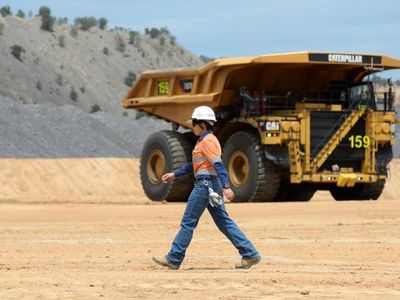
(251, 27)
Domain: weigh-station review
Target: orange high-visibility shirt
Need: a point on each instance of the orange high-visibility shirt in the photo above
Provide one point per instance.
(206, 152)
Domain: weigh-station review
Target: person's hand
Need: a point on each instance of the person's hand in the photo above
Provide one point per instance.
(168, 177)
(229, 194)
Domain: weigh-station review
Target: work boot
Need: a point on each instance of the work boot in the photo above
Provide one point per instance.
(163, 261)
(247, 263)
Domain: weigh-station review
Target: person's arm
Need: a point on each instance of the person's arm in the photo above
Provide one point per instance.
(222, 173)
(184, 170)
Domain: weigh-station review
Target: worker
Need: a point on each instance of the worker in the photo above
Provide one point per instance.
(210, 174)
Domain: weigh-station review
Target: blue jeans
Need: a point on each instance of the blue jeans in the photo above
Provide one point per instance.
(197, 203)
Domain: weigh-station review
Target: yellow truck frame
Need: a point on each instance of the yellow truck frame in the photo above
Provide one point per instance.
(310, 119)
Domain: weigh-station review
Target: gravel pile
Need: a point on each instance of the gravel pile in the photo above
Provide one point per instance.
(50, 131)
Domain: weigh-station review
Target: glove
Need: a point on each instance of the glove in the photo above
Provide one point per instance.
(214, 198)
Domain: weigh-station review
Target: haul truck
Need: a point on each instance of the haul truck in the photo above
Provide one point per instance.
(289, 124)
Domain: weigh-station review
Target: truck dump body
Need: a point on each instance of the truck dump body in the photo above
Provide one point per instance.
(289, 123)
(216, 84)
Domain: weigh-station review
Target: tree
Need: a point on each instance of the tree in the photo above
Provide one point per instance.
(103, 23)
(86, 23)
(154, 32)
(20, 14)
(47, 19)
(16, 51)
(5, 11)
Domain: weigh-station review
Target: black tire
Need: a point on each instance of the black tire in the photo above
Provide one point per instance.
(295, 192)
(364, 191)
(164, 152)
(262, 180)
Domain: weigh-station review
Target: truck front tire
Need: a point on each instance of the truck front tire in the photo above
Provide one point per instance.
(164, 152)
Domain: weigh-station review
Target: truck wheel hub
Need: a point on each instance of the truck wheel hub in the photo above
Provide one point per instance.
(155, 166)
(238, 168)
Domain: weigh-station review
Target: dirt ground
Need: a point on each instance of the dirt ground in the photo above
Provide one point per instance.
(102, 249)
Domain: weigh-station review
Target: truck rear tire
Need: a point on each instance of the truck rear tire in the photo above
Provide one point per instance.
(164, 152)
(252, 176)
(364, 191)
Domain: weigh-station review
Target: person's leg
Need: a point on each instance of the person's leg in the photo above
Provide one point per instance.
(228, 227)
(195, 207)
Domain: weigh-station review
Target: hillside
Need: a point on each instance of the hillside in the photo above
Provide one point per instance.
(55, 63)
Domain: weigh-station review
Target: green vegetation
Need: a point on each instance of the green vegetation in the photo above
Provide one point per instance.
(1, 28)
(16, 51)
(39, 85)
(61, 40)
(106, 51)
(73, 94)
(120, 43)
(20, 14)
(103, 23)
(74, 32)
(59, 80)
(47, 19)
(155, 32)
(133, 35)
(85, 23)
(95, 108)
(130, 78)
(206, 59)
(5, 11)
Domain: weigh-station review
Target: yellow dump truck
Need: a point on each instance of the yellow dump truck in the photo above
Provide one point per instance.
(289, 124)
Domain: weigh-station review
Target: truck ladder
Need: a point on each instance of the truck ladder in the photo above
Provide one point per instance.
(334, 141)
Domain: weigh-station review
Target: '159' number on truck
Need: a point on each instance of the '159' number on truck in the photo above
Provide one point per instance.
(359, 141)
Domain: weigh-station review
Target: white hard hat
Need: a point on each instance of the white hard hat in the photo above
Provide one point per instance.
(204, 113)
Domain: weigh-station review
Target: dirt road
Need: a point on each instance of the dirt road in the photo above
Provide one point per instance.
(310, 250)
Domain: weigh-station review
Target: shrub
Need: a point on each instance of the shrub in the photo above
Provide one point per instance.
(39, 85)
(20, 14)
(119, 40)
(1, 28)
(95, 108)
(164, 31)
(61, 40)
(103, 23)
(83, 90)
(16, 51)
(162, 41)
(74, 32)
(73, 94)
(86, 23)
(140, 114)
(59, 80)
(206, 59)
(130, 78)
(172, 40)
(5, 11)
(133, 35)
(47, 19)
(61, 21)
(106, 51)
(154, 32)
